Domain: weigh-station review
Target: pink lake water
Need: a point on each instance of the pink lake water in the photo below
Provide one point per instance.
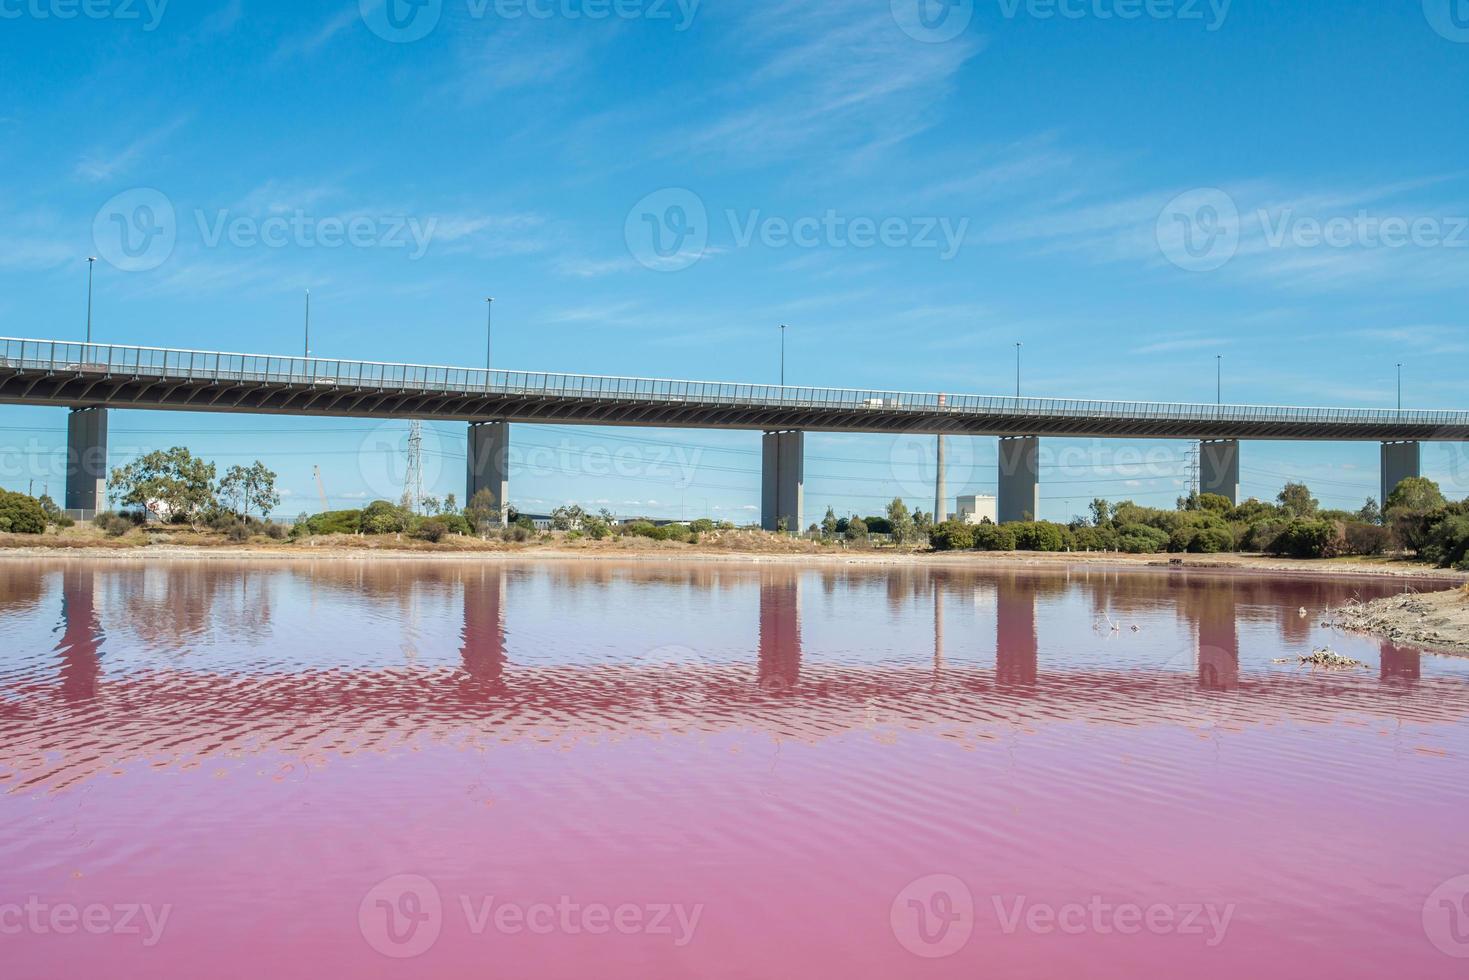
(704, 770)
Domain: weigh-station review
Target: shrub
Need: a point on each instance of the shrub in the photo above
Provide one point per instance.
(276, 532)
(1039, 536)
(332, 522)
(1367, 539)
(1211, 540)
(1142, 539)
(381, 517)
(115, 525)
(438, 527)
(20, 514)
(1448, 542)
(238, 532)
(994, 537)
(952, 535)
(1310, 539)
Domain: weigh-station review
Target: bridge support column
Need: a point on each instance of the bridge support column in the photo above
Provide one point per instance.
(783, 481)
(1020, 483)
(1400, 460)
(1219, 468)
(86, 463)
(489, 464)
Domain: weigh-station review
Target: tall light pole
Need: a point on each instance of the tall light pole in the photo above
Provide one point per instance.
(489, 333)
(1400, 387)
(308, 323)
(1219, 379)
(1017, 370)
(91, 262)
(782, 355)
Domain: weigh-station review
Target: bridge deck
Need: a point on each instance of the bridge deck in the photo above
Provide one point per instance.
(46, 372)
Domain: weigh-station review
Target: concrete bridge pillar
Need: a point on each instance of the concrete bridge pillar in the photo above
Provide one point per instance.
(86, 462)
(1219, 468)
(489, 464)
(783, 481)
(1400, 460)
(1020, 483)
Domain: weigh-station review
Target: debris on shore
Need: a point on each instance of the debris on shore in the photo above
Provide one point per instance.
(1324, 657)
(1437, 620)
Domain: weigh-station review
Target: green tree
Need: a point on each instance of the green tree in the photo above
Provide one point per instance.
(1101, 512)
(829, 523)
(20, 514)
(248, 488)
(900, 521)
(1412, 508)
(382, 517)
(856, 528)
(167, 483)
(1296, 500)
(483, 512)
(1370, 512)
(568, 518)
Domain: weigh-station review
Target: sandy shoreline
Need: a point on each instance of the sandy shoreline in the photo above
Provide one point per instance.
(1435, 620)
(975, 559)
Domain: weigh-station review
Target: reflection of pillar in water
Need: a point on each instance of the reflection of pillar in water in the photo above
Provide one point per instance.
(1400, 665)
(80, 647)
(938, 624)
(1218, 637)
(483, 651)
(780, 630)
(1016, 650)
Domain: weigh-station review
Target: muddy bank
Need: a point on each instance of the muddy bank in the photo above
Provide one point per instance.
(1436, 620)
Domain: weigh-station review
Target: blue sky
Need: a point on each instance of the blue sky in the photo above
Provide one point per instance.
(1127, 188)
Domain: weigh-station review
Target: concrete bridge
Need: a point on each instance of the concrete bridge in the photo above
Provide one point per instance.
(88, 379)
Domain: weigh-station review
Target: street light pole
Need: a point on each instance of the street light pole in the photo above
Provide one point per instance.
(489, 333)
(1017, 370)
(1219, 379)
(1400, 387)
(91, 262)
(782, 355)
(308, 323)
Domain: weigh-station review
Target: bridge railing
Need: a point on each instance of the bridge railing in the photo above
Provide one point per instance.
(187, 365)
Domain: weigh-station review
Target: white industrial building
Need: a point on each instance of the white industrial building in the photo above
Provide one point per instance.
(976, 509)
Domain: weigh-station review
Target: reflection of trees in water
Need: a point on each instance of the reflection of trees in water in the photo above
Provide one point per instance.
(21, 586)
(169, 605)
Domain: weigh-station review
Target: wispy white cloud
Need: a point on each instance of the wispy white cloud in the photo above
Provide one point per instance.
(308, 44)
(101, 165)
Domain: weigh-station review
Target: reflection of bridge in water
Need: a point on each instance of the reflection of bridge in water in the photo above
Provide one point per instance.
(180, 710)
